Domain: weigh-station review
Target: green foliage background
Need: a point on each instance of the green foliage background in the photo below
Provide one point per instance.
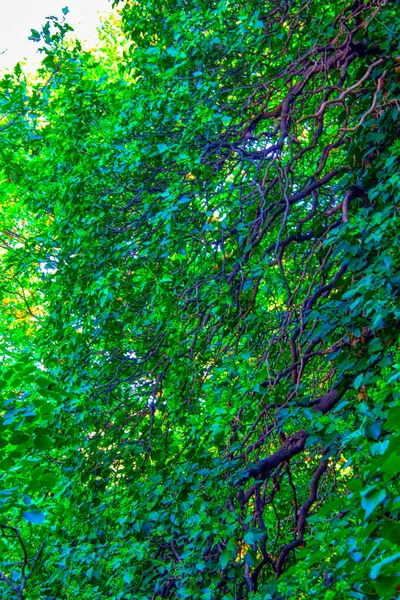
(200, 305)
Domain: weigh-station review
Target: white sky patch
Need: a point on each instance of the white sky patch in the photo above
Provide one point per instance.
(18, 17)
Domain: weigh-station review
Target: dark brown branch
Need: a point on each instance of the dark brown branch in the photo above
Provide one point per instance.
(303, 513)
(292, 446)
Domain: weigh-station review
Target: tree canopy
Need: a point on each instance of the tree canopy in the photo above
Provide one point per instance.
(199, 321)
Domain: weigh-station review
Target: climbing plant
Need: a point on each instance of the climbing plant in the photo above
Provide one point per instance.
(200, 305)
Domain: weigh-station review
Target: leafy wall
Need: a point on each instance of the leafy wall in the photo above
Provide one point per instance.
(200, 306)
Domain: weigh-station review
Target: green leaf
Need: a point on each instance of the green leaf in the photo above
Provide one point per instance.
(42, 442)
(376, 569)
(370, 500)
(35, 36)
(224, 558)
(386, 587)
(393, 418)
(129, 576)
(250, 557)
(253, 535)
(34, 516)
(19, 438)
(49, 480)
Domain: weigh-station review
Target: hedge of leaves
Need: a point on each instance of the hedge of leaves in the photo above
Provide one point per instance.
(200, 311)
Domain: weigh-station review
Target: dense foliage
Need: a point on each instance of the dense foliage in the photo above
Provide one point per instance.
(200, 305)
